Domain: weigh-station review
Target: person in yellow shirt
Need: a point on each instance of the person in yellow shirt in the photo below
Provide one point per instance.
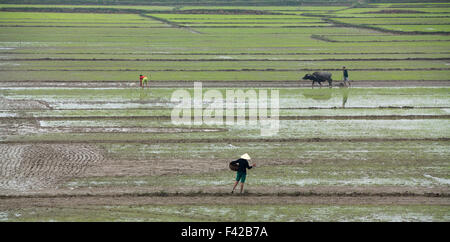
(143, 81)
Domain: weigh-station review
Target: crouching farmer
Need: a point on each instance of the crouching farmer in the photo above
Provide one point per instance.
(242, 170)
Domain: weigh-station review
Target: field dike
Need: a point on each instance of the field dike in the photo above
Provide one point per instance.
(32, 126)
(326, 39)
(137, 130)
(251, 59)
(234, 53)
(342, 24)
(219, 198)
(213, 140)
(206, 83)
(239, 70)
(27, 167)
(170, 23)
(281, 117)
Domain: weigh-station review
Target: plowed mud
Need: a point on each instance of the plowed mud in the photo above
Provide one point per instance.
(36, 166)
(237, 70)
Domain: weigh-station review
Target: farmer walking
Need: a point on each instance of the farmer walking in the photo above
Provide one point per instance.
(242, 170)
(346, 80)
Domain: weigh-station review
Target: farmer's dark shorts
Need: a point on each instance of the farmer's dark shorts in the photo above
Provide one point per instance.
(240, 176)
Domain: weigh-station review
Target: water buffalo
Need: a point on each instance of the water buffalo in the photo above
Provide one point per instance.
(319, 77)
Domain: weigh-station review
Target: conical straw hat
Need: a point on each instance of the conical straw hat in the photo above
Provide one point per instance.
(245, 156)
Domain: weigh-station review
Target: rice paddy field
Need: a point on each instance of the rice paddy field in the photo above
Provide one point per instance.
(80, 140)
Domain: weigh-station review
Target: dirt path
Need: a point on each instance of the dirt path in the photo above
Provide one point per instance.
(16, 203)
(224, 190)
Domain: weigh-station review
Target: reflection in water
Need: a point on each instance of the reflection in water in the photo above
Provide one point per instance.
(327, 94)
(318, 94)
(345, 92)
(144, 94)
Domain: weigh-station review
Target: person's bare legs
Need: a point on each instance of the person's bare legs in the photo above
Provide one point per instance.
(242, 187)
(235, 184)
